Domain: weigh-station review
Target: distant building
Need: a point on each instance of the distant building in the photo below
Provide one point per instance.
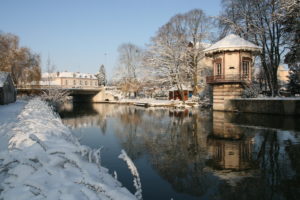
(69, 80)
(282, 75)
(7, 89)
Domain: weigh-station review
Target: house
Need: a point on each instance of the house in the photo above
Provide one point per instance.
(232, 61)
(69, 80)
(7, 89)
(174, 93)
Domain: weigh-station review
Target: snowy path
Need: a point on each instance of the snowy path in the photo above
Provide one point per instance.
(45, 161)
(8, 119)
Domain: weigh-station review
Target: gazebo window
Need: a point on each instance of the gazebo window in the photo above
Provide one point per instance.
(218, 69)
(245, 68)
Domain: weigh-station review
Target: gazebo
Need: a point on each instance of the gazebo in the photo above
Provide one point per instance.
(232, 61)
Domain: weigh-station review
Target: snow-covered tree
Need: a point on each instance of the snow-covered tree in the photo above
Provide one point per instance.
(258, 21)
(166, 53)
(176, 50)
(101, 76)
(198, 32)
(294, 79)
(290, 19)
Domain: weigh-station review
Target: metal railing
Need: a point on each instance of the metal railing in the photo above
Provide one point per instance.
(56, 87)
(228, 78)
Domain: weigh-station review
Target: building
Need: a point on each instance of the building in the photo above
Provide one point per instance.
(282, 75)
(175, 94)
(69, 80)
(232, 61)
(7, 89)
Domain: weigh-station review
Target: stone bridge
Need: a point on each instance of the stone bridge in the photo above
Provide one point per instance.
(96, 94)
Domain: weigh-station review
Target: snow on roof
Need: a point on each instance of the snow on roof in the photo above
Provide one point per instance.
(232, 42)
(184, 87)
(69, 75)
(3, 78)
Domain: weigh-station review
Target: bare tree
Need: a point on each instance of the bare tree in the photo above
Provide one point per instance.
(21, 62)
(257, 21)
(130, 61)
(198, 32)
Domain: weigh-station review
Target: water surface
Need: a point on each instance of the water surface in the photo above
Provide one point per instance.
(194, 154)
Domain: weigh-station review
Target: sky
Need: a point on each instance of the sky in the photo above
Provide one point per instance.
(80, 35)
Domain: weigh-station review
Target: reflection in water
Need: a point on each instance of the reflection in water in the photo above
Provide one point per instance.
(195, 154)
(230, 146)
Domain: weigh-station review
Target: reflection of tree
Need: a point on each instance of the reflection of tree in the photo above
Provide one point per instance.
(130, 134)
(224, 159)
(291, 185)
(178, 154)
(175, 143)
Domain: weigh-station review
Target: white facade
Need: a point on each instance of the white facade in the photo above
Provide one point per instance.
(69, 80)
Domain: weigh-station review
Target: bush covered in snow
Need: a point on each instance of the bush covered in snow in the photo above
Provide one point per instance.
(205, 97)
(251, 92)
(55, 96)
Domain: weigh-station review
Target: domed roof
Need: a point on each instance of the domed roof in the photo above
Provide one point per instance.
(232, 42)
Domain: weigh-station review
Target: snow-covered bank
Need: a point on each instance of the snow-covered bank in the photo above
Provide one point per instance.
(45, 161)
(148, 102)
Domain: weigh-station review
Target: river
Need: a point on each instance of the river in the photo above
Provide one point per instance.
(194, 154)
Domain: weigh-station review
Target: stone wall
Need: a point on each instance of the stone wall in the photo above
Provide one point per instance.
(224, 92)
(268, 106)
(103, 96)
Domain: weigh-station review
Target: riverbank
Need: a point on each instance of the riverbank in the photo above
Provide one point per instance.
(148, 102)
(43, 160)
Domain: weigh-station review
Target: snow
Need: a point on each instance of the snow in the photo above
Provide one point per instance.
(232, 42)
(3, 78)
(136, 177)
(8, 119)
(184, 87)
(45, 161)
(150, 102)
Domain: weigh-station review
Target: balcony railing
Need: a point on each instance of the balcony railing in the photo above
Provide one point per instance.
(228, 78)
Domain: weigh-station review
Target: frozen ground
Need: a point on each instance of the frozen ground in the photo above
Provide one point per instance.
(42, 159)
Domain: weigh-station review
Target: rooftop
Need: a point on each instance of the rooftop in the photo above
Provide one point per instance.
(69, 75)
(232, 42)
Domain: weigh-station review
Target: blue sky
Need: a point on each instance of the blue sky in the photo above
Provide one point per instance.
(80, 35)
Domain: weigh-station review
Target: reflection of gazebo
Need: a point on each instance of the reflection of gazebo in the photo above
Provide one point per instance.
(229, 146)
(175, 93)
(230, 154)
